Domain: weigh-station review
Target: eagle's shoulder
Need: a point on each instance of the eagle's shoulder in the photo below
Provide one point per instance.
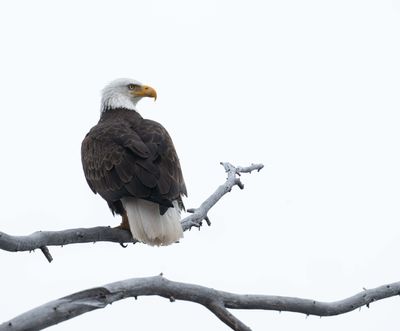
(117, 132)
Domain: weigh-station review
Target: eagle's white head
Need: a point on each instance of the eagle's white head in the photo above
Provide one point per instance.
(125, 93)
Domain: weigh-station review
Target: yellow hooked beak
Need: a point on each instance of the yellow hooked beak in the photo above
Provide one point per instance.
(145, 91)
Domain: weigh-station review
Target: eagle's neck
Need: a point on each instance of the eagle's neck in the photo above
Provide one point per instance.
(117, 100)
(120, 114)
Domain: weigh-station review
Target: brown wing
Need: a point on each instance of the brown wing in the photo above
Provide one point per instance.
(120, 159)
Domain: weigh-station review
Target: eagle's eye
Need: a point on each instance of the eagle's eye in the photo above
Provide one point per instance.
(132, 86)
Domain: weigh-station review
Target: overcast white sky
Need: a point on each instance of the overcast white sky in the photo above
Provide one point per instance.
(309, 88)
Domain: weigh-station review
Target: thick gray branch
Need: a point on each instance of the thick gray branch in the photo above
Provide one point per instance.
(216, 301)
(41, 239)
(64, 237)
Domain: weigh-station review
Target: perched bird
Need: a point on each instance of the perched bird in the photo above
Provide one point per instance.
(132, 163)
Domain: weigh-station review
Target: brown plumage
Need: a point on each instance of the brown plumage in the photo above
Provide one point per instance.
(125, 155)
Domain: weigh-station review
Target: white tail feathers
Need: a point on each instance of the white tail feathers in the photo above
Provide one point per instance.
(148, 226)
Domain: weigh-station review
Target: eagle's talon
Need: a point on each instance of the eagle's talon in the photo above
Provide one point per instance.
(123, 245)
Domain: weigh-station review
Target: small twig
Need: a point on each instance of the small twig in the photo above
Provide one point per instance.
(46, 253)
(206, 218)
(216, 301)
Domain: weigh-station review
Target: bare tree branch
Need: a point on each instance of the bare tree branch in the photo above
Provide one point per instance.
(42, 239)
(200, 214)
(216, 301)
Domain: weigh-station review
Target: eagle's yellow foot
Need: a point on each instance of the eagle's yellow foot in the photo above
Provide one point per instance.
(124, 224)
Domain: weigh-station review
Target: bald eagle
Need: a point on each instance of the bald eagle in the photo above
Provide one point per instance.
(131, 163)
